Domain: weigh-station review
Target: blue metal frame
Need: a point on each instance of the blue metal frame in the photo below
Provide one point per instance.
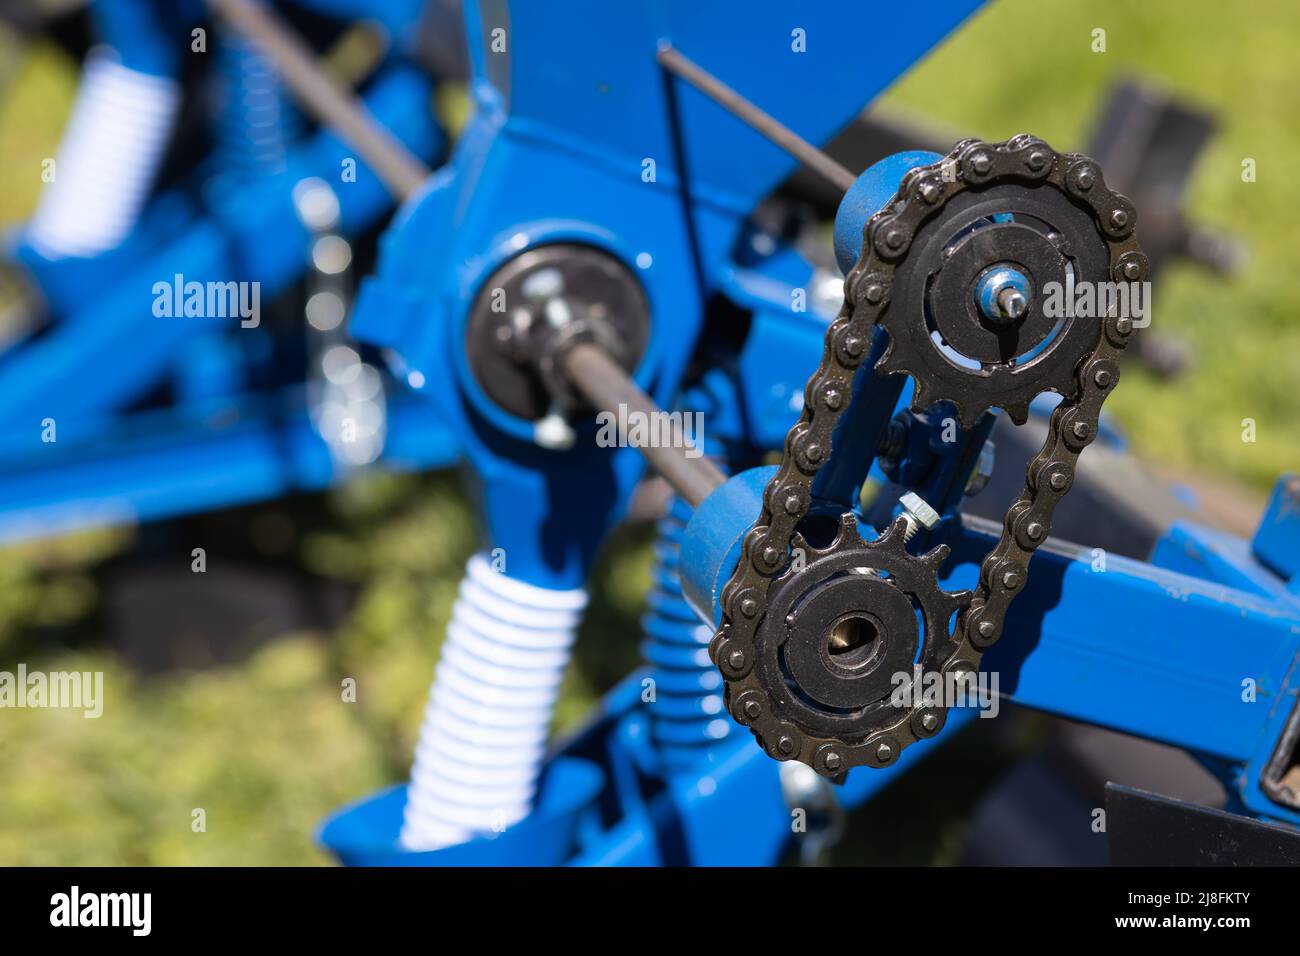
(1087, 641)
(237, 427)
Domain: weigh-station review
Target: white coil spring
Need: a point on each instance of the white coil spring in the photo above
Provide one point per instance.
(107, 159)
(485, 728)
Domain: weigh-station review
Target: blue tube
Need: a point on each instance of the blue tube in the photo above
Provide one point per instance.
(144, 33)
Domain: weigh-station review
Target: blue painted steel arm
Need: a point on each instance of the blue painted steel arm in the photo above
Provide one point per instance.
(1140, 649)
(152, 466)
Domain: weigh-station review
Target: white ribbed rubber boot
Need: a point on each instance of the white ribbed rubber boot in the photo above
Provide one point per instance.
(107, 159)
(485, 728)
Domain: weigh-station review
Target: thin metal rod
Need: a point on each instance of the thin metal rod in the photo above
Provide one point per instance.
(324, 97)
(768, 125)
(603, 382)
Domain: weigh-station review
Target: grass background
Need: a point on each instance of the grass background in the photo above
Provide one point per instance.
(1028, 66)
(266, 747)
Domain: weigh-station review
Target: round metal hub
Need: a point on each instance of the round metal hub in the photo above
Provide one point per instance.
(953, 300)
(846, 639)
(1039, 230)
(539, 295)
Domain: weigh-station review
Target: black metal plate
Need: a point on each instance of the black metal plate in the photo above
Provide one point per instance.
(1146, 829)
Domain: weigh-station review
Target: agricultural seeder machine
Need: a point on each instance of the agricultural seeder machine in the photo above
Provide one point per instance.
(609, 276)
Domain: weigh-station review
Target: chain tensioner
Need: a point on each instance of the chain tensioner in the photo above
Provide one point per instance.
(954, 269)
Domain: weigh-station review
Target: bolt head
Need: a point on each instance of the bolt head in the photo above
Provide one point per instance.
(918, 508)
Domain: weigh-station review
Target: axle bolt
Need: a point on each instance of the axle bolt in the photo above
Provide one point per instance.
(1002, 294)
(1013, 303)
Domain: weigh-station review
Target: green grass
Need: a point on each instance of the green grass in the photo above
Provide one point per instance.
(268, 748)
(1028, 66)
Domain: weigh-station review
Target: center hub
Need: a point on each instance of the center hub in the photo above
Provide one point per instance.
(848, 637)
(983, 298)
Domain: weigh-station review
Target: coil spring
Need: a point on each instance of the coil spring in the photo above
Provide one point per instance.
(256, 121)
(485, 728)
(108, 157)
(687, 718)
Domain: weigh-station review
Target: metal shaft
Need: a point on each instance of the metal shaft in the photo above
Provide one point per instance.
(325, 97)
(603, 382)
(768, 125)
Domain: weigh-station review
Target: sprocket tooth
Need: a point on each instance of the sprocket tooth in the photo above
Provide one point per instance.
(799, 542)
(846, 533)
(966, 414)
(891, 539)
(921, 399)
(887, 364)
(1018, 412)
(936, 556)
(894, 366)
(958, 599)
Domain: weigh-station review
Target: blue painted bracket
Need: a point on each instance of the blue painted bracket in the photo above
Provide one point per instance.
(156, 464)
